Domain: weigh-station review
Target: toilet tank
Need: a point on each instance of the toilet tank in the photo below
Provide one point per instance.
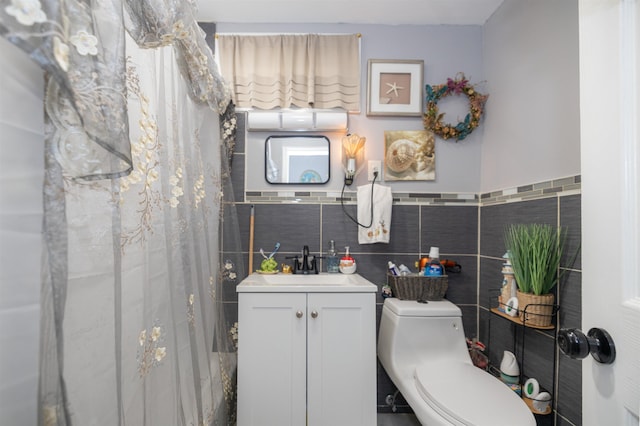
(413, 308)
(412, 333)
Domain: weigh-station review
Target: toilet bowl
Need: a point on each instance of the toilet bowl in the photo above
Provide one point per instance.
(423, 350)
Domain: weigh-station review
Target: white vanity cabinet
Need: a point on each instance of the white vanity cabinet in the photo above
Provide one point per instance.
(306, 358)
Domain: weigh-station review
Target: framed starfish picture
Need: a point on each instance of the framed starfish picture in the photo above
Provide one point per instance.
(395, 87)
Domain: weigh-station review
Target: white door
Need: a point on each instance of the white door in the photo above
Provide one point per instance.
(609, 93)
(272, 329)
(341, 359)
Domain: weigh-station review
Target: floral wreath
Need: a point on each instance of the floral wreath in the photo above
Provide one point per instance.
(460, 86)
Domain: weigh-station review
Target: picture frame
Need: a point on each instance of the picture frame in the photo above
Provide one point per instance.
(395, 87)
(409, 155)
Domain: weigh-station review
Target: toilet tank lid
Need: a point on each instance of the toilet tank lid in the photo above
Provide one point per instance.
(413, 308)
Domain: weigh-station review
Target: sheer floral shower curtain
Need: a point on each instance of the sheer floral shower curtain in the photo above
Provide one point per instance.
(133, 326)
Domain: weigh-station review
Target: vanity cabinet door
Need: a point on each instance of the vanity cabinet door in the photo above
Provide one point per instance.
(272, 359)
(341, 358)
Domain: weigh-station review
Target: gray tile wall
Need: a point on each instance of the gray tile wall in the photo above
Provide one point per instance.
(541, 357)
(467, 229)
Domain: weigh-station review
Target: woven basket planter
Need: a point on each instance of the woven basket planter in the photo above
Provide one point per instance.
(418, 287)
(539, 309)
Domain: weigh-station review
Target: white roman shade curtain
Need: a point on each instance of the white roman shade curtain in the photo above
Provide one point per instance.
(292, 70)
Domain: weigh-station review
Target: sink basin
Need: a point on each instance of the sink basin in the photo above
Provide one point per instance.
(306, 283)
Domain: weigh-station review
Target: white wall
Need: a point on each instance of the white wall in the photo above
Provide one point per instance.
(532, 126)
(446, 50)
(21, 176)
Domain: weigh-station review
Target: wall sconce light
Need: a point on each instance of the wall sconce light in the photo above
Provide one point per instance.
(352, 153)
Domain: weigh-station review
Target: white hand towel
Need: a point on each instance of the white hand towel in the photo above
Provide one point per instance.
(380, 229)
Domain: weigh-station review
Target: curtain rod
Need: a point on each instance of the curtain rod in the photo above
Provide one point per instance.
(359, 35)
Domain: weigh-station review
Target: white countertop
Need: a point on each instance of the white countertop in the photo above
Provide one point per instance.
(313, 283)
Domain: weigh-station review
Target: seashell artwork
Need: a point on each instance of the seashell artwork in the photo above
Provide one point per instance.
(409, 155)
(401, 155)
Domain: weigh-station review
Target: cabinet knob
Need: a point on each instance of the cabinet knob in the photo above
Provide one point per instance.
(314, 314)
(299, 314)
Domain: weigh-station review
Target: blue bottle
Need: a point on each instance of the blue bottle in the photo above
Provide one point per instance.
(434, 267)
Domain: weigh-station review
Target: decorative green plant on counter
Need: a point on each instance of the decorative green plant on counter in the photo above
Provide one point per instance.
(535, 251)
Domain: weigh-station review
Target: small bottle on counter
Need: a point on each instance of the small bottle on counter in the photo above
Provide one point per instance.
(333, 261)
(404, 270)
(434, 267)
(393, 269)
(422, 264)
(347, 263)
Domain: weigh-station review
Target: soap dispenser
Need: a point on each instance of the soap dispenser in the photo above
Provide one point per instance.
(347, 263)
(333, 262)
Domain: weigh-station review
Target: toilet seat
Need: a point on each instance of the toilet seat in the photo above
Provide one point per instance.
(465, 395)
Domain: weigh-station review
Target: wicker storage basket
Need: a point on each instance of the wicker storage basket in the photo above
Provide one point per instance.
(539, 309)
(418, 287)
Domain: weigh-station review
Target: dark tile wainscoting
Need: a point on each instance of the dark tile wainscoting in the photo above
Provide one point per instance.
(467, 228)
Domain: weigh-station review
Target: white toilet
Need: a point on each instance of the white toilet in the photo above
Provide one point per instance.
(423, 350)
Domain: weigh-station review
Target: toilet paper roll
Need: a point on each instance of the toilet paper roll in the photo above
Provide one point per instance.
(531, 388)
(542, 402)
(512, 307)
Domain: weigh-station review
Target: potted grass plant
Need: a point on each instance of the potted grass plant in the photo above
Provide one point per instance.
(535, 251)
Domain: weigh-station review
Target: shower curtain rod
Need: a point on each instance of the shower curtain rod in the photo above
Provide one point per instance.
(271, 34)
